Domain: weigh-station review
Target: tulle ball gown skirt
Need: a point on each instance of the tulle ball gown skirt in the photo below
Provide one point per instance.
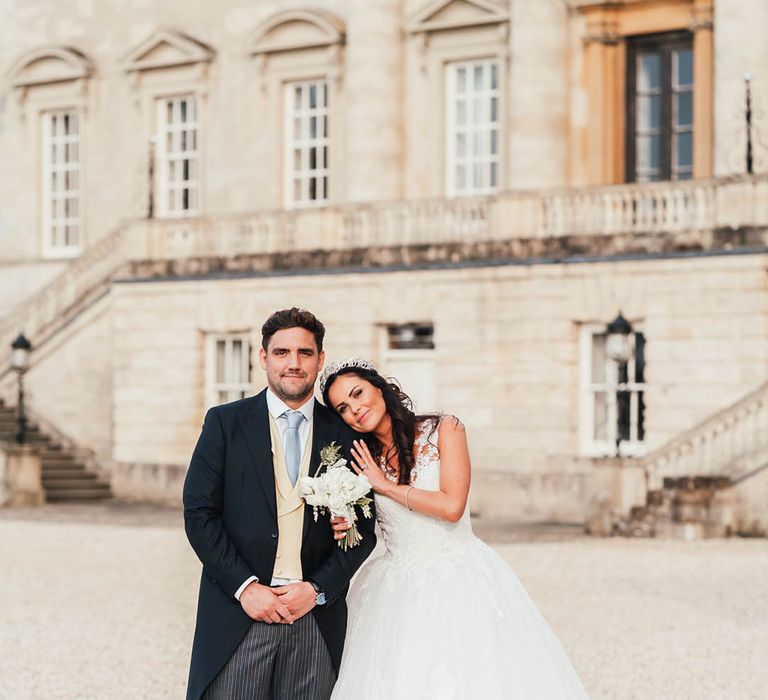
(455, 624)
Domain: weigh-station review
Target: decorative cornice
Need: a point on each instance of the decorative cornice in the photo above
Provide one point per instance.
(702, 17)
(67, 64)
(481, 12)
(325, 30)
(696, 25)
(183, 51)
(752, 240)
(602, 31)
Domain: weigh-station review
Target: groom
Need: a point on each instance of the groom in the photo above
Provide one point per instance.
(271, 616)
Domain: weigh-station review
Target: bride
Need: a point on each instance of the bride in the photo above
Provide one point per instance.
(440, 614)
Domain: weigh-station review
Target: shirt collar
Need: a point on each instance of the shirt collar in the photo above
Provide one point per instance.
(276, 406)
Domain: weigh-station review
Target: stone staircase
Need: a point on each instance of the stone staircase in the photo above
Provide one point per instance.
(693, 480)
(731, 443)
(65, 477)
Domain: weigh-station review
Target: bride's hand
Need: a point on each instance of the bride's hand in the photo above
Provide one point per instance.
(340, 525)
(364, 463)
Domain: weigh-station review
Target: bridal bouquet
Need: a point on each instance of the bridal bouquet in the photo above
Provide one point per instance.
(338, 490)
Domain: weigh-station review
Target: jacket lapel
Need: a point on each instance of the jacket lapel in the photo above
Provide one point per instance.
(254, 421)
(319, 434)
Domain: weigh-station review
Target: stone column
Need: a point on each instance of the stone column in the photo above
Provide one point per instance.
(703, 58)
(374, 101)
(600, 155)
(538, 95)
(20, 476)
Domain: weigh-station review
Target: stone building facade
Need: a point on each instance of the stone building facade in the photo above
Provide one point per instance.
(466, 191)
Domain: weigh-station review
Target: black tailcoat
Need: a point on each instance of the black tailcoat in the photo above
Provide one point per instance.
(230, 516)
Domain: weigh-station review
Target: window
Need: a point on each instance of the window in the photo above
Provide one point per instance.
(660, 107)
(177, 156)
(61, 182)
(409, 357)
(229, 368)
(613, 410)
(472, 115)
(411, 336)
(306, 167)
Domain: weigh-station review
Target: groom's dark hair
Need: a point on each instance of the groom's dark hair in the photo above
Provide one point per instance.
(292, 318)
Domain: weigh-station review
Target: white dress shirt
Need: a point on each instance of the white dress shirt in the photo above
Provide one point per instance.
(277, 407)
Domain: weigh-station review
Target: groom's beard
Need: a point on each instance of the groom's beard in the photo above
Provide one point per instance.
(294, 391)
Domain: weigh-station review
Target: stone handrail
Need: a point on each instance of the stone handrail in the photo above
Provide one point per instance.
(730, 443)
(57, 301)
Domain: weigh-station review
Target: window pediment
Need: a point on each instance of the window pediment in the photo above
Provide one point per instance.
(50, 65)
(167, 49)
(295, 30)
(452, 14)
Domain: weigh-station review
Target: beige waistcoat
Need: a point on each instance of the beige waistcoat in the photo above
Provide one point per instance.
(290, 506)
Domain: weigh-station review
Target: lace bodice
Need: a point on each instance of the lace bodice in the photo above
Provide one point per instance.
(411, 538)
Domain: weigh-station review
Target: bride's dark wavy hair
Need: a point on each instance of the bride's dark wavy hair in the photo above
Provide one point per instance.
(400, 410)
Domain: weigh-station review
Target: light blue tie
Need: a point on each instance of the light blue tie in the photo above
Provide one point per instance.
(293, 444)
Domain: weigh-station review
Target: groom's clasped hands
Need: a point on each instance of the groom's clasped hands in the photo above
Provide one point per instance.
(280, 605)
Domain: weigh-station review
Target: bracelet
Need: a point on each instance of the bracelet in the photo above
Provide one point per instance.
(407, 493)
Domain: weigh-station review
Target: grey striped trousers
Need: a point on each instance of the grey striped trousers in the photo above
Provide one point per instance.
(277, 662)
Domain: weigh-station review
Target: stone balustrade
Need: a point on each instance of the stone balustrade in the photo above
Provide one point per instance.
(731, 443)
(648, 208)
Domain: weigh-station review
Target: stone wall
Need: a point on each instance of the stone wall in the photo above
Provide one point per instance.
(70, 383)
(506, 358)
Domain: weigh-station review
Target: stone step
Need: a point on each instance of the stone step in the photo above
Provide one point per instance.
(57, 486)
(63, 467)
(31, 438)
(78, 494)
(13, 428)
(56, 459)
(67, 475)
(65, 485)
(64, 478)
(12, 420)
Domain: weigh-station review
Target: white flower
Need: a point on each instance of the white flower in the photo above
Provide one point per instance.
(337, 490)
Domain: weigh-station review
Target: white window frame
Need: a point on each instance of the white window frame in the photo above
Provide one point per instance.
(679, 172)
(56, 152)
(426, 358)
(305, 142)
(167, 160)
(590, 446)
(235, 389)
(475, 132)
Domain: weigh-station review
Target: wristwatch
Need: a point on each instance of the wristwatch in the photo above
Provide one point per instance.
(320, 595)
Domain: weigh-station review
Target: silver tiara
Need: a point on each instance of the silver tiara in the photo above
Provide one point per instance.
(339, 365)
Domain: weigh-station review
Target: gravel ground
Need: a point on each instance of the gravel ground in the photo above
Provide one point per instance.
(100, 604)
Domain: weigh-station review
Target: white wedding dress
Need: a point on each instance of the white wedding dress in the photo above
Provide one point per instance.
(441, 616)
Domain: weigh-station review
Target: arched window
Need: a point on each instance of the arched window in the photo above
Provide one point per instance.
(299, 57)
(51, 86)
